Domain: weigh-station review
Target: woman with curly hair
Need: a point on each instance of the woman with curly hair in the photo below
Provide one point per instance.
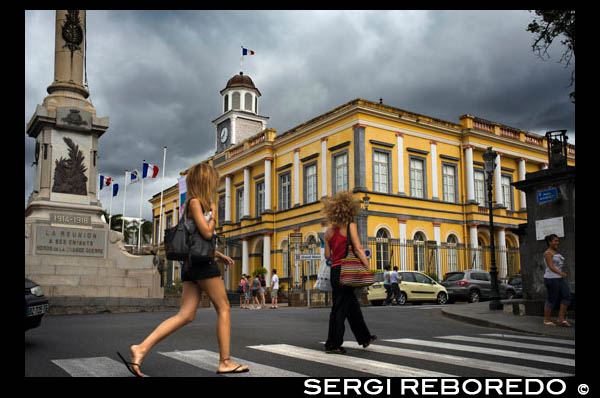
(340, 211)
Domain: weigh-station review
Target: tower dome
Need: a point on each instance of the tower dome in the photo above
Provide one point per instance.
(238, 81)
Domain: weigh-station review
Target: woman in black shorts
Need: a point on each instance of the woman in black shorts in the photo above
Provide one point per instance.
(202, 182)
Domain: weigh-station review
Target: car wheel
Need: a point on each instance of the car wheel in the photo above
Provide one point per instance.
(474, 296)
(442, 298)
(402, 299)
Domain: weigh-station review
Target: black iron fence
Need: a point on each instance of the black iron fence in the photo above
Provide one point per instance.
(437, 260)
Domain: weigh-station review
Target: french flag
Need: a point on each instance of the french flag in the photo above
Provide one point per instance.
(104, 181)
(245, 51)
(133, 177)
(150, 170)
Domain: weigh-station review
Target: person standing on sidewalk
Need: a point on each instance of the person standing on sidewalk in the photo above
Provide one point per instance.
(556, 285)
(255, 289)
(263, 286)
(340, 211)
(395, 281)
(387, 284)
(198, 276)
(274, 288)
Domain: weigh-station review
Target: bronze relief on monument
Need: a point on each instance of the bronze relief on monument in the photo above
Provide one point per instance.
(72, 32)
(69, 174)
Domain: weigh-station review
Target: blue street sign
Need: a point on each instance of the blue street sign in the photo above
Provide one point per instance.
(547, 195)
(368, 253)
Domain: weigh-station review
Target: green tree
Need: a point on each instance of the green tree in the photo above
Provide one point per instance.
(547, 26)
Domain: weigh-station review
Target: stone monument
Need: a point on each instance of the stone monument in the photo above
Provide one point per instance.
(550, 198)
(69, 250)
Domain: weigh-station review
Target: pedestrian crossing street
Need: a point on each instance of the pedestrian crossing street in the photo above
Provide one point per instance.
(497, 353)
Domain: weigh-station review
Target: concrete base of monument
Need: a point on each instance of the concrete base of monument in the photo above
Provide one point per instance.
(69, 261)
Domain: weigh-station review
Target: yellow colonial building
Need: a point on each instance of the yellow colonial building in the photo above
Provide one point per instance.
(420, 180)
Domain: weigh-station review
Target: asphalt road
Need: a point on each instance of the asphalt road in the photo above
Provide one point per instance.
(288, 342)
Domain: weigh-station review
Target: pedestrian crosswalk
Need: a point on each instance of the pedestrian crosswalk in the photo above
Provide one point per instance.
(442, 356)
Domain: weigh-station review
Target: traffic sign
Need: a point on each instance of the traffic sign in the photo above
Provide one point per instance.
(296, 237)
(368, 253)
(309, 257)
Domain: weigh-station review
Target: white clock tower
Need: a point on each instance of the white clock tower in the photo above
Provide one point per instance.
(240, 119)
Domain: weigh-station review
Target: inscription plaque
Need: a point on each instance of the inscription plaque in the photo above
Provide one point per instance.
(70, 241)
(70, 219)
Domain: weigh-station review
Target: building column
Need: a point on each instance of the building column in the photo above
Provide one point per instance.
(297, 177)
(267, 256)
(246, 212)
(475, 258)
(323, 166)
(232, 132)
(268, 183)
(501, 239)
(402, 239)
(245, 257)
(438, 258)
(470, 174)
(498, 182)
(400, 145)
(522, 172)
(434, 171)
(228, 179)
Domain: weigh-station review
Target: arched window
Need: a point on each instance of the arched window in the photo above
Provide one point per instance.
(236, 100)
(248, 102)
(452, 253)
(419, 251)
(284, 259)
(226, 103)
(382, 248)
(313, 248)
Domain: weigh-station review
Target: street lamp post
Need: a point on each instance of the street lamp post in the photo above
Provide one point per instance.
(489, 158)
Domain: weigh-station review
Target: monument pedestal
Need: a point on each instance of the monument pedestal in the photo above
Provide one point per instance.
(69, 250)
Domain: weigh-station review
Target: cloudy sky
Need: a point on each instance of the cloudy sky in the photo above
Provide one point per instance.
(157, 75)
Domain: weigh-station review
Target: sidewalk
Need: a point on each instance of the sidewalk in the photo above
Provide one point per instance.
(480, 314)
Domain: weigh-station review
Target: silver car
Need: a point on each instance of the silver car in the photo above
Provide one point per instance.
(474, 285)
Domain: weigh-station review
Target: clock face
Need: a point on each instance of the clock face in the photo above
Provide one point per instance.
(224, 134)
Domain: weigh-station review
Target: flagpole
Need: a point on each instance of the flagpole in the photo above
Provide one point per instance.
(141, 198)
(110, 208)
(241, 59)
(162, 188)
(124, 201)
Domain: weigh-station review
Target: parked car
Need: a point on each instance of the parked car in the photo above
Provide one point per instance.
(474, 285)
(415, 287)
(36, 304)
(516, 282)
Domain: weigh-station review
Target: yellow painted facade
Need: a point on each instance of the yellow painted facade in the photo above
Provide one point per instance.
(437, 228)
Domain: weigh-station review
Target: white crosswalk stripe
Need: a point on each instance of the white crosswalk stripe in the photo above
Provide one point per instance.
(384, 366)
(490, 351)
(208, 360)
(358, 364)
(510, 344)
(534, 338)
(92, 367)
(494, 366)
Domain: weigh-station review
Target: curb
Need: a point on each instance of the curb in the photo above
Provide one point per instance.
(485, 323)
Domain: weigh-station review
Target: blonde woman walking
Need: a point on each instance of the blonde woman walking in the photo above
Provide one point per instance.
(202, 182)
(340, 211)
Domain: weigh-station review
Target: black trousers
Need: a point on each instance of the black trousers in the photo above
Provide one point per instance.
(344, 305)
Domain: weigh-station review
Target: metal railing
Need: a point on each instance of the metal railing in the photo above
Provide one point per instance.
(437, 260)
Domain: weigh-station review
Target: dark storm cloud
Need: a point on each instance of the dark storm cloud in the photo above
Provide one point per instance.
(157, 74)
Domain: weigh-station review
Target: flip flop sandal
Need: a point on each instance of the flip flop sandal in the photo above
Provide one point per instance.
(564, 324)
(549, 323)
(233, 370)
(129, 364)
